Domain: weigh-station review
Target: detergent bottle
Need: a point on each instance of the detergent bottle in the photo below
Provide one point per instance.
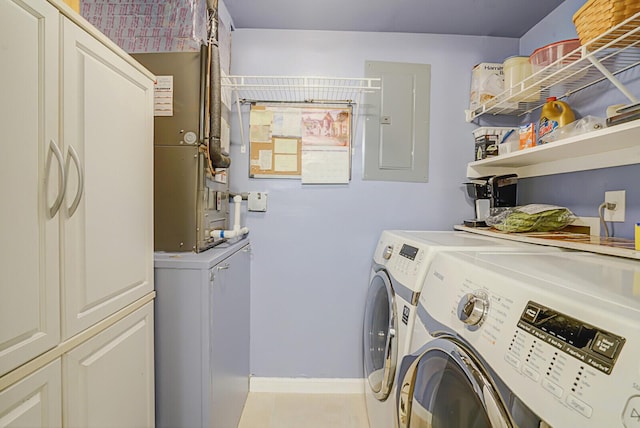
(554, 114)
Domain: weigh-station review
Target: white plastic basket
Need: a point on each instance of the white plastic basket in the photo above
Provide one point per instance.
(499, 131)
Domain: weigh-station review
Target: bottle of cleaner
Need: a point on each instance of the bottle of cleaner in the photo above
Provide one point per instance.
(554, 114)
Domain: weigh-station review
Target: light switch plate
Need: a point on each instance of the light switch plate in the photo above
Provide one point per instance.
(257, 201)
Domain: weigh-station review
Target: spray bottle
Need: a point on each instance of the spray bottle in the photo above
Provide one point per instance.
(554, 114)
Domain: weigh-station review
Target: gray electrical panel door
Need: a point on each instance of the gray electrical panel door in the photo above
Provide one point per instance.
(396, 132)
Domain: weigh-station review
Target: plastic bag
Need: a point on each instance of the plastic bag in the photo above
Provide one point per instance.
(531, 218)
(578, 127)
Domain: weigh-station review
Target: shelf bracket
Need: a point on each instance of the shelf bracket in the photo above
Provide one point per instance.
(613, 79)
(243, 146)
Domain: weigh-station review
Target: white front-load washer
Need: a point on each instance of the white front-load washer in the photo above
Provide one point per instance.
(400, 264)
(524, 340)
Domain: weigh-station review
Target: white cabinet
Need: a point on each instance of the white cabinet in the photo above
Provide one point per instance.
(76, 224)
(108, 380)
(202, 345)
(98, 238)
(29, 142)
(35, 401)
(108, 238)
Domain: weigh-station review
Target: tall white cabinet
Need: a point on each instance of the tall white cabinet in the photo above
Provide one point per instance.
(107, 118)
(29, 261)
(76, 224)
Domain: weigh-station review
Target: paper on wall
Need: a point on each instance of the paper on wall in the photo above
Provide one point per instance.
(285, 145)
(260, 117)
(285, 163)
(265, 160)
(260, 133)
(163, 96)
(325, 166)
(287, 122)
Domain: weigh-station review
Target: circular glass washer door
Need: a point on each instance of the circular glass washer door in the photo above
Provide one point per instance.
(380, 344)
(444, 387)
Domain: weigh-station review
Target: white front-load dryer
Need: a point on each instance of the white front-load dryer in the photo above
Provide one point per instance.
(526, 340)
(400, 264)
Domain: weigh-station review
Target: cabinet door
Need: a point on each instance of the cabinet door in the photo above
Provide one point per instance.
(35, 401)
(30, 181)
(108, 380)
(229, 320)
(108, 238)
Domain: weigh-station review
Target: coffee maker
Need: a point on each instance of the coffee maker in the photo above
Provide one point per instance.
(494, 191)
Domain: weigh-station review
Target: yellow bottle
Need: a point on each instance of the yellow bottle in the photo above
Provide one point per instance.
(554, 114)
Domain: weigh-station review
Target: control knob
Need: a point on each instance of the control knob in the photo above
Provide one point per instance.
(387, 252)
(473, 308)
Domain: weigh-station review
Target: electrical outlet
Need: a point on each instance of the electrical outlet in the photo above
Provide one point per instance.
(616, 197)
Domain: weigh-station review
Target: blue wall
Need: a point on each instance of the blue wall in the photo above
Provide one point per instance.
(582, 192)
(313, 247)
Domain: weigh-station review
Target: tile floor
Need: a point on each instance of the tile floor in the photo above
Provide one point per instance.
(279, 410)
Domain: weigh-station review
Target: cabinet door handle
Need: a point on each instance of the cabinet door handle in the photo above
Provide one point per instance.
(62, 183)
(223, 267)
(76, 159)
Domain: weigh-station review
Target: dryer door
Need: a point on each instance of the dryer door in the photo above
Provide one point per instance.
(380, 343)
(443, 387)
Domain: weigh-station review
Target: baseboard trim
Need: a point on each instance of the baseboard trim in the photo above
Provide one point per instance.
(306, 385)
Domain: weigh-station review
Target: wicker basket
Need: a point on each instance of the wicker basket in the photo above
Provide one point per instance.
(596, 17)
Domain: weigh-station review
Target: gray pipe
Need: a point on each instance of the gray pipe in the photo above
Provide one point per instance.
(215, 118)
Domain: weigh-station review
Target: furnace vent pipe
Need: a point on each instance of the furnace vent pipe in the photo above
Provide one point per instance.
(215, 118)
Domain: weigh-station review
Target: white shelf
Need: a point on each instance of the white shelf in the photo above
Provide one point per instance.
(299, 89)
(295, 89)
(602, 58)
(572, 241)
(608, 147)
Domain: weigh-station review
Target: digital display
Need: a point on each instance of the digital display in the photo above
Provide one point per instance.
(596, 347)
(408, 251)
(565, 328)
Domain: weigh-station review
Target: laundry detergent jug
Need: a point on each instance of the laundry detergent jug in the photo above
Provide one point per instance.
(554, 114)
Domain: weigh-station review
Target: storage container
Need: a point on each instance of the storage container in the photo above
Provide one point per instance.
(527, 136)
(487, 81)
(487, 140)
(554, 114)
(596, 17)
(516, 69)
(509, 146)
(547, 55)
(497, 131)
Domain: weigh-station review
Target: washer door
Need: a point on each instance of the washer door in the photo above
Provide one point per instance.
(380, 343)
(443, 387)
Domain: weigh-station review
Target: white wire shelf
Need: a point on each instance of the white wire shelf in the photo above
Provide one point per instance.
(295, 89)
(299, 89)
(602, 58)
